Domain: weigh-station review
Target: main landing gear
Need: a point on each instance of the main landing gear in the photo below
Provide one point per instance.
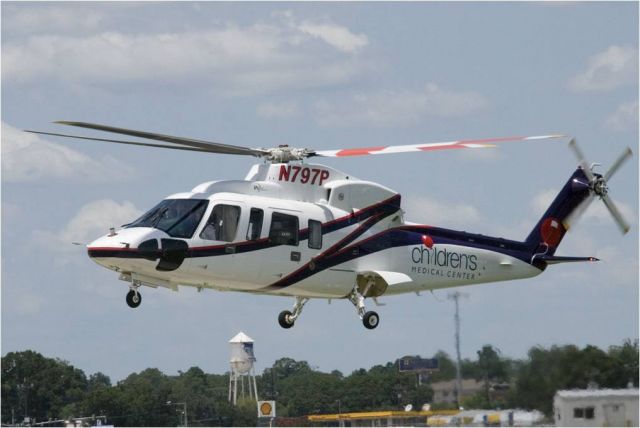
(134, 298)
(286, 319)
(370, 319)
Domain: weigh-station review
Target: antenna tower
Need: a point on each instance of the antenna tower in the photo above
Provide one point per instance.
(455, 296)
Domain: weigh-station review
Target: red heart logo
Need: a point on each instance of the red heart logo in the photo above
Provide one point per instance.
(427, 241)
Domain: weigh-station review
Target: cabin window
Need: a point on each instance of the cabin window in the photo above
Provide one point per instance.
(315, 234)
(578, 413)
(255, 224)
(284, 229)
(222, 224)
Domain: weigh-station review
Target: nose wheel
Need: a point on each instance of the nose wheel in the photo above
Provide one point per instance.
(370, 319)
(134, 298)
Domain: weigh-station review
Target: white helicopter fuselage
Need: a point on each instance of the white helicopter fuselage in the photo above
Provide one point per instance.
(308, 231)
(304, 230)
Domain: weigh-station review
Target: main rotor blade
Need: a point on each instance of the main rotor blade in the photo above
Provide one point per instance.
(616, 165)
(205, 145)
(583, 161)
(462, 144)
(620, 221)
(134, 143)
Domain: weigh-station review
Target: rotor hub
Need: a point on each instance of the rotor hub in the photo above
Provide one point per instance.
(284, 154)
(600, 186)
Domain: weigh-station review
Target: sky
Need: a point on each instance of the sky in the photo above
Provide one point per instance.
(323, 76)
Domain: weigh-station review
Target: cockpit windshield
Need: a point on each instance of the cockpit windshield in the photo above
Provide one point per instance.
(177, 217)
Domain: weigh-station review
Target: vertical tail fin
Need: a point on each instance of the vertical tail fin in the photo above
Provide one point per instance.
(551, 228)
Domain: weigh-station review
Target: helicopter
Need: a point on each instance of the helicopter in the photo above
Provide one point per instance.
(304, 230)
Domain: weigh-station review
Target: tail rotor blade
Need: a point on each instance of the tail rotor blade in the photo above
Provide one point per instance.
(583, 161)
(616, 165)
(617, 216)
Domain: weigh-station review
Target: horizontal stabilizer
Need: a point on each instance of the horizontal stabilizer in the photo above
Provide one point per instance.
(552, 260)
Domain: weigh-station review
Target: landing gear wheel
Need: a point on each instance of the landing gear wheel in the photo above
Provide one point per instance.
(284, 319)
(134, 299)
(370, 320)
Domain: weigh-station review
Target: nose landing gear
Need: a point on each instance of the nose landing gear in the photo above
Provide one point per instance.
(370, 319)
(134, 298)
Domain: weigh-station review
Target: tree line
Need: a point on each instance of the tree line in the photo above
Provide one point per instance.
(51, 389)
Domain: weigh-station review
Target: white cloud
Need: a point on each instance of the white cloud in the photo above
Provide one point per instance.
(27, 303)
(95, 219)
(541, 201)
(28, 157)
(441, 214)
(51, 17)
(597, 212)
(119, 56)
(614, 264)
(278, 110)
(615, 67)
(235, 59)
(624, 118)
(335, 35)
(10, 212)
(90, 222)
(394, 108)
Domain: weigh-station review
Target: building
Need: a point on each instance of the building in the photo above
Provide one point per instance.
(498, 418)
(596, 407)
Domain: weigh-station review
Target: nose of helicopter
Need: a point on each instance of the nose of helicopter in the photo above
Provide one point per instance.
(126, 248)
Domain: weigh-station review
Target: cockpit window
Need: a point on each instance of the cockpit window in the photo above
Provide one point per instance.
(179, 218)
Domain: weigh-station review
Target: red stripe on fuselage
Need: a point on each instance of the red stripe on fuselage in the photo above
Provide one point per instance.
(111, 249)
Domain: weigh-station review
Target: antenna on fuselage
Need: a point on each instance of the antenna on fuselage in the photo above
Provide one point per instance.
(455, 296)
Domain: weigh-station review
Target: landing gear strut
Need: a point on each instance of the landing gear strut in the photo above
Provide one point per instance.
(134, 298)
(370, 319)
(286, 319)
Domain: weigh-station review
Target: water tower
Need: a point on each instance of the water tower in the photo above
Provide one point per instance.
(241, 361)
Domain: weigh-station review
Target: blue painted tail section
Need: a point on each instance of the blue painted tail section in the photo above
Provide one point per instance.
(549, 231)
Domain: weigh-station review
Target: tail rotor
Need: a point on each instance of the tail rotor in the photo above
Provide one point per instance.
(598, 185)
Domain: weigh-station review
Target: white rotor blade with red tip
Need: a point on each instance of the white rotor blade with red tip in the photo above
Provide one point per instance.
(461, 144)
(276, 154)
